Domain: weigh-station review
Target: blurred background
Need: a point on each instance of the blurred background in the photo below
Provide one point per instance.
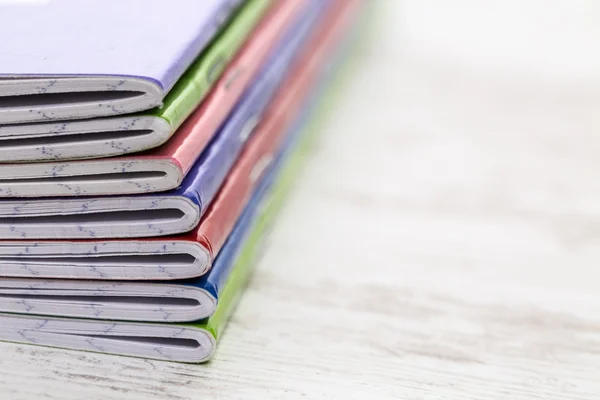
(468, 143)
(542, 40)
(454, 205)
(489, 103)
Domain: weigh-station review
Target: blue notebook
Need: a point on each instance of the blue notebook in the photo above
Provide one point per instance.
(205, 178)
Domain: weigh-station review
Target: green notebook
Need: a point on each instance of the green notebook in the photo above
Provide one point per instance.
(194, 85)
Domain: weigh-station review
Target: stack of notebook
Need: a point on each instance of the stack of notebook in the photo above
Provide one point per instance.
(143, 161)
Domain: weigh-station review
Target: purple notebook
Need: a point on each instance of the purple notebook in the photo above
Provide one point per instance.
(74, 59)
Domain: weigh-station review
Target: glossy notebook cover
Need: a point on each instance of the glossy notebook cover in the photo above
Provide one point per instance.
(119, 47)
(161, 341)
(206, 176)
(164, 167)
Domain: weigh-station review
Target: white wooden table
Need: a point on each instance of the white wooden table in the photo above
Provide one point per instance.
(443, 243)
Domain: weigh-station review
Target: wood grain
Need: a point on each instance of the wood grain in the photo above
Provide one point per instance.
(443, 243)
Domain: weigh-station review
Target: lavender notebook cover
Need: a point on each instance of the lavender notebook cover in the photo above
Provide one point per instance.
(73, 59)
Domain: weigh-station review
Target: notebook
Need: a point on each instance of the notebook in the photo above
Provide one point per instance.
(122, 134)
(189, 343)
(183, 256)
(165, 167)
(96, 58)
